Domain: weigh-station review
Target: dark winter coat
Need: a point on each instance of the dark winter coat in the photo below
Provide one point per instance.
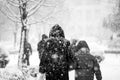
(27, 53)
(86, 67)
(40, 47)
(27, 49)
(56, 56)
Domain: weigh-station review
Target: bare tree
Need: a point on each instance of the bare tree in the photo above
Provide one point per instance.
(26, 9)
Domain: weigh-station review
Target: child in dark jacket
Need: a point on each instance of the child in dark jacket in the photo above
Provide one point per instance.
(86, 65)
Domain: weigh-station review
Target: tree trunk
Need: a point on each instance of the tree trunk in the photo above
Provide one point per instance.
(23, 14)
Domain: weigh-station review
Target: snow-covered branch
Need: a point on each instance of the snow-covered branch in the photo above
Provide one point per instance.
(10, 17)
(36, 22)
(43, 19)
(12, 3)
(48, 5)
(13, 14)
(35, 8)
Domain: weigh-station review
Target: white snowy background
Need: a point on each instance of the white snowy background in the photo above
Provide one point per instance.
(80, 19)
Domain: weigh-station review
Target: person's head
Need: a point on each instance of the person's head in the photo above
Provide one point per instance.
(44, 36)
(83, 46)
(74, 41)
(56, 31)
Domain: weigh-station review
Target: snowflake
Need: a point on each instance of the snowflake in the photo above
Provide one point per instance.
(54, 56)
(60, 42)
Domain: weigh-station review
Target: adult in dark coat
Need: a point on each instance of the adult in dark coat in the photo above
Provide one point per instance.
(40, 46)
(86, 64)
(27, 52)
(56, 56)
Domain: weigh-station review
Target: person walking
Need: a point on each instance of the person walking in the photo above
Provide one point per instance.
(56, 56)
(27, 53)
(86, 65)
(40, 46)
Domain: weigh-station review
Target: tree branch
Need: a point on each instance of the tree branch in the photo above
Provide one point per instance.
(11, 11)
(43, 19)
(9, 17)
(35, 22)
(48, 5)
(12, 3)
(46, 17)
(28, 1)
(34, 7)
(34, 10)
(20, 12)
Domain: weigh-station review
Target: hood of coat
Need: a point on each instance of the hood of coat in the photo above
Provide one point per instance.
(56, 31)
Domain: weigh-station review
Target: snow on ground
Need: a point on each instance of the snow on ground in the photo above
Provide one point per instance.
(110, 67)
(34, 60)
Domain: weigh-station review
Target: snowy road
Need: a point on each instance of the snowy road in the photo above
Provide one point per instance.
(110, 67)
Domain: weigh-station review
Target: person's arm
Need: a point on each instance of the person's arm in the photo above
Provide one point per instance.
(97, 70)
(71, 58)
(71, 61)
(30, 49)
(38, 46)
